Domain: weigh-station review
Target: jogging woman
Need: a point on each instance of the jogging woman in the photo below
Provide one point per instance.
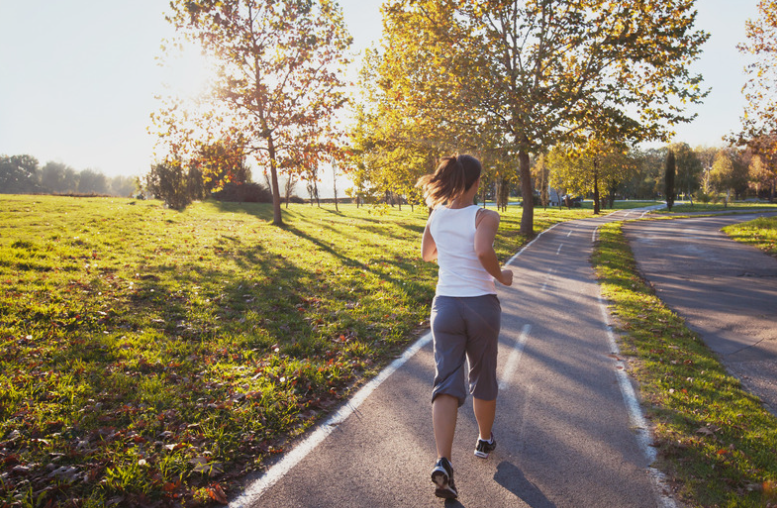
(465, 312)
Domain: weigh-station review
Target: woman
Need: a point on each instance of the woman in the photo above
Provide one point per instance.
(465, 311)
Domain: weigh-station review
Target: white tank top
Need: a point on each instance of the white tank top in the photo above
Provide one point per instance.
(461, 273)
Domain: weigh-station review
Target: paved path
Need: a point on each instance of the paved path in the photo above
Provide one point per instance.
(566, 436)
(726, 291)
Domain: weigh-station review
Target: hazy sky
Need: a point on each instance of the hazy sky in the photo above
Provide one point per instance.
(78, 77)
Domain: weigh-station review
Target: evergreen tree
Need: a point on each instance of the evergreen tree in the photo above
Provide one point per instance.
(669, 179)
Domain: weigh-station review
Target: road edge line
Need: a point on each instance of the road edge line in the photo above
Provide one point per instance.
(256, 489)
(637, 418)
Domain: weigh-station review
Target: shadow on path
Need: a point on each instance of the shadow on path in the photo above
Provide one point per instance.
(512, 478)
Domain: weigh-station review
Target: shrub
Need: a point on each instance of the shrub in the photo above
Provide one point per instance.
(244, 193)
(170, 181)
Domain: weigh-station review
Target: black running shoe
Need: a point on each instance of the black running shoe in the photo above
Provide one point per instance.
(483, 448)
(442, 476)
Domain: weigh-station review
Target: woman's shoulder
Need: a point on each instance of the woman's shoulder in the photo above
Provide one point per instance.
(484, 214)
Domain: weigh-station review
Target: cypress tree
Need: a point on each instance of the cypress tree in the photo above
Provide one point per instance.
(669, 179)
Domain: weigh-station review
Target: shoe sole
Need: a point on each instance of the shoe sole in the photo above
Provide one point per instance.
(445, 493)
(481, 455)
(440, 478)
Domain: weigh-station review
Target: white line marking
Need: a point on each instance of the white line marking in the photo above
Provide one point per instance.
(291, 459)
(559, 249)
(514, 358)
(529, 244)
(637, 419)
(254, 491)
(570, 232)
(593, 236)
(547, 278)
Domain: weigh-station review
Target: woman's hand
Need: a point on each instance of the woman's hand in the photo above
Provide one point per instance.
(506, 278)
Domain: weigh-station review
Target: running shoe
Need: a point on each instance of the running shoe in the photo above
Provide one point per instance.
(442, 477)
(483, 448)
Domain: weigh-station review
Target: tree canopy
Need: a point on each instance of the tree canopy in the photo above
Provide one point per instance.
(541, 72)
(279, 67)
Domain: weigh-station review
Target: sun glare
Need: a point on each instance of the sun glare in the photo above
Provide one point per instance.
(188, 74)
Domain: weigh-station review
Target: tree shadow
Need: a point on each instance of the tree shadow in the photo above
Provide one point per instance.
(512, 478)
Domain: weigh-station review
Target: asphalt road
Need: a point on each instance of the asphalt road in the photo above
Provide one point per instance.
(726, 291)
(566, 437)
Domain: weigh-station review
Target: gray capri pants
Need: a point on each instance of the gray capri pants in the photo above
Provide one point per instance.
(465, 328)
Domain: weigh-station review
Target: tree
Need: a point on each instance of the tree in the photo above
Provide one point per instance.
(669, 176)
(123, 186)
(706, 156)
(171, 182)
(587, 169)
(689, 169)
(278, 74)
(760, 115)
(58, 177)
(730, 171)
(542, 176)
(92, 182)
(18, 174)
(544, 71)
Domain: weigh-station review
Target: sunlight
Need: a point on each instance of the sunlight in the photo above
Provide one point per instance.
(187, 74)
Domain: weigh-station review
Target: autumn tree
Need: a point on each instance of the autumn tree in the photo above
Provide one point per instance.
(706, 156)
(542, 177)
(759, 122)
(544, 71)
(278, 75)
(763, 175)
(599, 167)
(670, 171)
(730, 171)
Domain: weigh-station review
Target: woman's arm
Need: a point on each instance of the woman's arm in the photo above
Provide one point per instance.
(485, 233)
(428, 246)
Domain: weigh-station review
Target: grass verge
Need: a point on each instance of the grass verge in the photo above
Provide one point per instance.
(150, 357)
(716, 441)
(718, 207)
(760, 233)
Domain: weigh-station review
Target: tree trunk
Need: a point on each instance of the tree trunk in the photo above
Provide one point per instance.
(524, 172)
(597, 209)
(277, 219)
(334, 183)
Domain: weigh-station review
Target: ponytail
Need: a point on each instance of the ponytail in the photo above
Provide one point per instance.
(453, 177)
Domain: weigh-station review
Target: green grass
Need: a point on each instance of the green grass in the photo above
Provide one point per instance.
(155, 356)
(760, 233)
(685, 207)
(716, 441)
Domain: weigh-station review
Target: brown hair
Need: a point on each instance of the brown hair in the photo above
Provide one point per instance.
(452, 178)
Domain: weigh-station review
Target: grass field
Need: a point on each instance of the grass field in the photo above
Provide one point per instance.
(153, 357)
(716, 441)
(760, 233)
(686, 207)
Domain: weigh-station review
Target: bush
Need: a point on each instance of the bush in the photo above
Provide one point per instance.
(244, 193)
(703, 197)
(297, 199)
(170, 181)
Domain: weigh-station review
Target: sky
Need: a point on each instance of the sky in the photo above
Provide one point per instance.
(78, 77)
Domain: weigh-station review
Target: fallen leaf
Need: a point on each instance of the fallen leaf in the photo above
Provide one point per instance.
(217, 493)
(705, 431)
